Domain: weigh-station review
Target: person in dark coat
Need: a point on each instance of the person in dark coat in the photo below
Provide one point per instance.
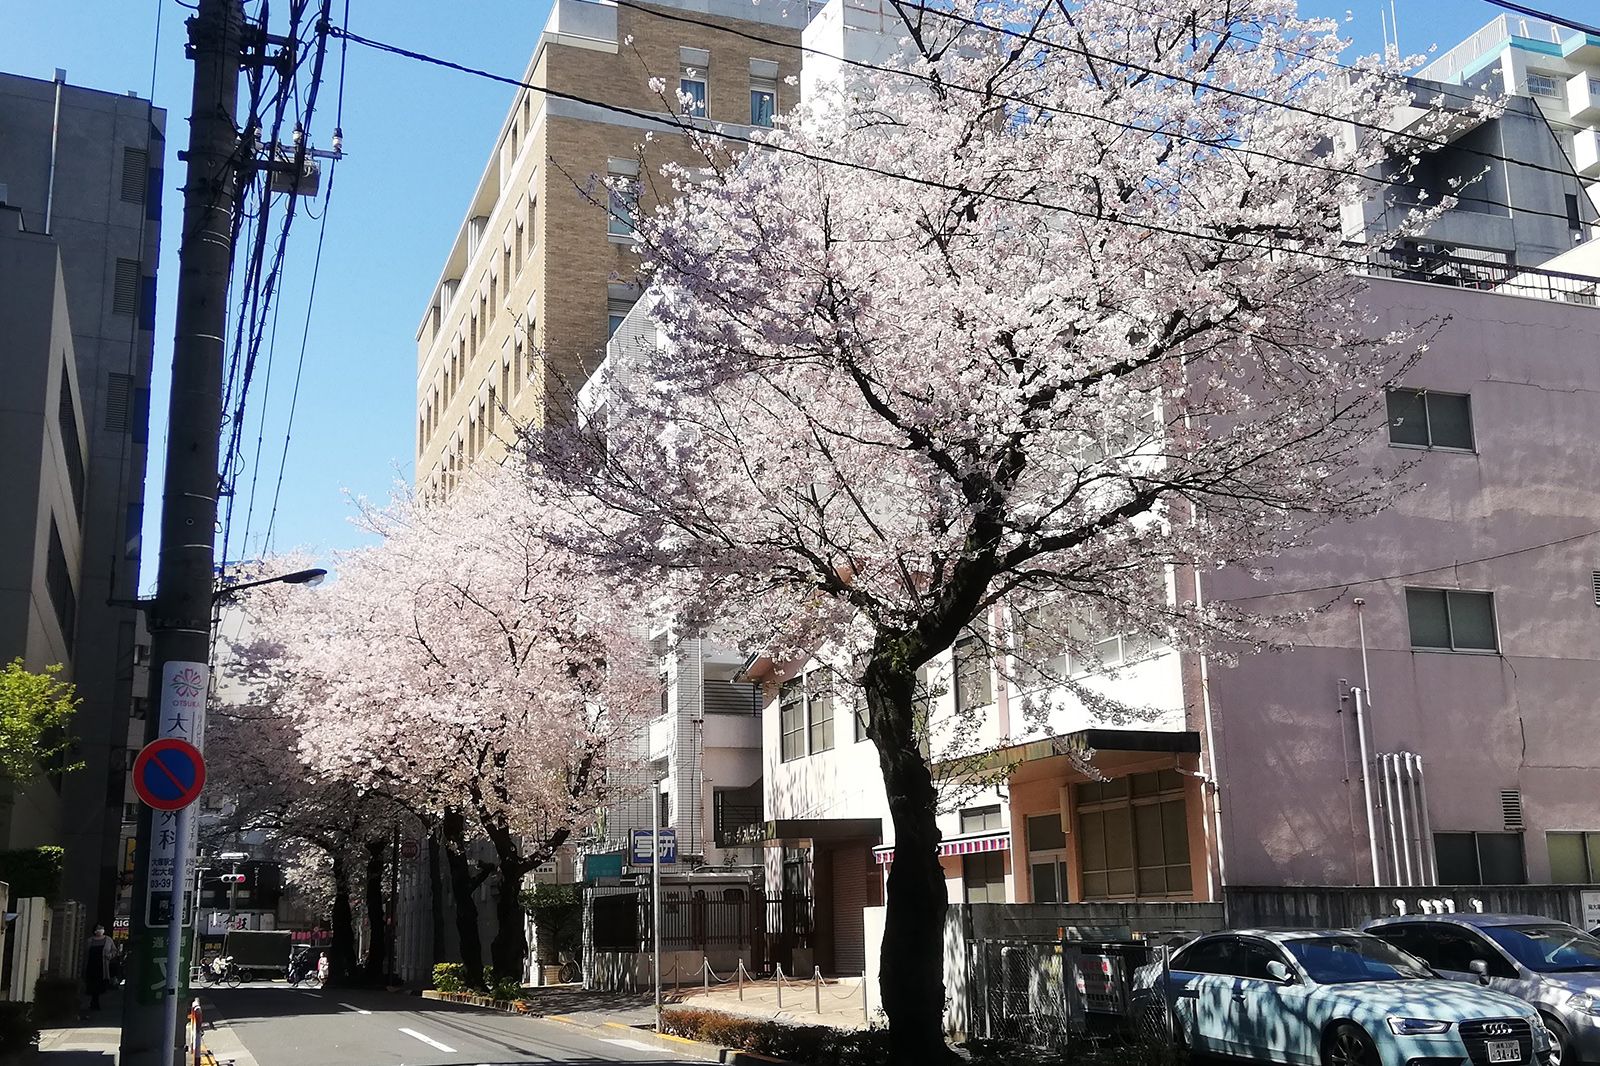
(102, 951)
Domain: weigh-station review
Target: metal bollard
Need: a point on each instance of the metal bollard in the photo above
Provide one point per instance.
(741, 980)
(705, 974)
(816, 986)
(779, 967)
(866, 1009)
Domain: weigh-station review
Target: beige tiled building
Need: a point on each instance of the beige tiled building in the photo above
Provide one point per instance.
(543, 268)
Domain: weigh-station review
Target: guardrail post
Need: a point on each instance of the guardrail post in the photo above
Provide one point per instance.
(779, 968)
(866, 1010)
(816, 986)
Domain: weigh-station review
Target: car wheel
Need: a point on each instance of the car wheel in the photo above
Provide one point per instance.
(1561, 1050)
(1347, 1044)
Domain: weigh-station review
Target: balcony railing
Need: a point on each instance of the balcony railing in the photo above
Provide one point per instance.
(1437, 268)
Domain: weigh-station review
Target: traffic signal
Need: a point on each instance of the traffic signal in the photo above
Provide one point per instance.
(232, 879)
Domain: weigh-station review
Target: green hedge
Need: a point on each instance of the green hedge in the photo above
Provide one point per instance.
(449, 977)
(814, 1044)
(32, 872)
(55, 999)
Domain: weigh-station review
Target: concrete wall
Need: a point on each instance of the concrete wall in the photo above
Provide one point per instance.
(1516, 517)
(97, 220)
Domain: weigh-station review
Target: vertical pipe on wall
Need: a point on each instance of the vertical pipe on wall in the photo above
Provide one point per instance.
(1430, 862)
(55, 133)
(1388, 798)
(1359, 696)
(1402, 787)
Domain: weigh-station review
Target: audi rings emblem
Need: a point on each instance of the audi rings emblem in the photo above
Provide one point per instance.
(1497, 1029)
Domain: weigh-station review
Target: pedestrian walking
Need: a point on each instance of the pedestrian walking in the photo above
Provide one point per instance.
(101, 953)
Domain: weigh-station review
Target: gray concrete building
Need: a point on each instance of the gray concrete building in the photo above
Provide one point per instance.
(84, 168)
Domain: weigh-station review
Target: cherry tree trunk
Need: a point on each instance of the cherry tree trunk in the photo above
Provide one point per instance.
(435, 900)
(509, 949)
(342, 947)
(461, 889)
(377, 960)
(912, 962)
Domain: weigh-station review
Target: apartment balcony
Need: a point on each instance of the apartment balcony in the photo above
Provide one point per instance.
(1586, 152)
(1583, 98)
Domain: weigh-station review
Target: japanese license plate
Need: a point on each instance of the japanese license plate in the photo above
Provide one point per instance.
(1505, 1051)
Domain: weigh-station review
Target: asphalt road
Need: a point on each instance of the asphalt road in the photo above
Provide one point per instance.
(281, 1026)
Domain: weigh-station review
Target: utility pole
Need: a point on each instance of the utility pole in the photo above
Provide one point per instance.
(180, 618)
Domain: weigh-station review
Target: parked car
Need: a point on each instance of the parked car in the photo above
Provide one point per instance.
(1334, 998)
(1552, 965)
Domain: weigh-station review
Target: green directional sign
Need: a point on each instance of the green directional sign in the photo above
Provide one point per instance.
(151, 965)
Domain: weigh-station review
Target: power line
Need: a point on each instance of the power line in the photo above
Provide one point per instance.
(1558, 20)
(979, 194)
(1417, 573)
(1130, 127)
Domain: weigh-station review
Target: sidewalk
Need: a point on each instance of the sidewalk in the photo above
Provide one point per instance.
(94, 1042)
(840, 999)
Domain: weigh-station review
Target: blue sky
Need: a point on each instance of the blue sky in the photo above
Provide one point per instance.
(417, 138)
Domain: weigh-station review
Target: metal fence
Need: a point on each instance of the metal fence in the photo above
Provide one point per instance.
(1486, 274)
(761, 929)
(1048, 993)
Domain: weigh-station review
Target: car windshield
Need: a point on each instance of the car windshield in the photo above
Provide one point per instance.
(1334, 960)
(1551, 948)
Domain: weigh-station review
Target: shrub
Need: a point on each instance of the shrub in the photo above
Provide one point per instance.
(18, 1031)
(449, 977)
(814, 1044)
(33, 872)
(1080, 1052)
(499, 987)
(55, 999)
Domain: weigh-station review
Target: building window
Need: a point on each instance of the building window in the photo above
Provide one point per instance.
(519, 236)
(1451, 620)
(1479, 858)
(71, 449)
(125, 287)
(692, 93)
(983, 877)
(792, 718)
(1422, 419)
(859, 715)
(1543, 85)
(974, 687)
(58, 582)
(623, 205)
(981, 819)
(763, 104)
(1047, 858)
(819, 709)
(1574, 858)
(1133, 837)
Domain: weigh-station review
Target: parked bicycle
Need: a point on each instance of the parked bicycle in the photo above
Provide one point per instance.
(219, 969)
(305, 966)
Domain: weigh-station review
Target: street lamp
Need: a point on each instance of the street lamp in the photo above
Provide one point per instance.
(310, 578)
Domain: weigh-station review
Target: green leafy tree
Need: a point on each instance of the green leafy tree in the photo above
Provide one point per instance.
(35, 710)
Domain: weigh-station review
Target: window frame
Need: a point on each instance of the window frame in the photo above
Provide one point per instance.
(760, 89)
(970, 661)
(1422, 395)
(1588, 841)
(688, 76)
(990, 880)
(988, 816)
(1130, 800)
(814, 714)
(1477, 853)
(1494, 620)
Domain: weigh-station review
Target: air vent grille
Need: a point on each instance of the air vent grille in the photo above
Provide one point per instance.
(1597, 588)
(1511, 808)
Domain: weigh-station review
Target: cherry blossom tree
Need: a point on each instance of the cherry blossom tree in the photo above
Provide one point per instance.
(1039, 327)
(473, 671)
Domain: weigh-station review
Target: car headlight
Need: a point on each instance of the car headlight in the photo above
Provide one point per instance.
(1585, 1002)
(1417, 1026)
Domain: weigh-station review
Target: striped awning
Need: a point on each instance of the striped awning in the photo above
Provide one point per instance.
(1000, 840)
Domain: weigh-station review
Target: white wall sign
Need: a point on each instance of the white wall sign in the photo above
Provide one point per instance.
(183, 714)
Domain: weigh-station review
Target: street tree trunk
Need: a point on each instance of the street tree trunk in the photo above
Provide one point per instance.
(912, 959)
(435, 900)
(462, 886)
(509, 949)
(377, 961)
(342, 947)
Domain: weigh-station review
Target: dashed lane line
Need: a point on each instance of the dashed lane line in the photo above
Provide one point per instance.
(352, 1006)
(632, 1044)
(428, 1040)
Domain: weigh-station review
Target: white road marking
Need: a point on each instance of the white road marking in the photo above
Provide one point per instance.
(428, 1040)
(313, 995)
(633, 1044)
(352, 1006)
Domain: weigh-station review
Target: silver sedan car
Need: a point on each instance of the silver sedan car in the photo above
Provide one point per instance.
(1550, 964)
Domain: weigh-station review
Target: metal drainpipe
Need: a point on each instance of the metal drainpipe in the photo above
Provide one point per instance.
(55, 131)
(1388, 794)
(1408, 775)
(1430, 863)
(1359, 696)
(1217, 878)
(1403, 795)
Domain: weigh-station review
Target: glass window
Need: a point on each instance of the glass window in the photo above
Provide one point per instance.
(1451, 620)
(819, 709)
(1044, 832)
(1425, 419)
(792, 719)
(973, 686)
(1479, 858)
(981, 819)
(1332, 960)
(1553, 947)
(1134, 837)
(1574, 858)
(1219, 955)
(1543, 85)
(983, 877)
(763, 105)
(622, 206)
(692, 93)
(1049, 881)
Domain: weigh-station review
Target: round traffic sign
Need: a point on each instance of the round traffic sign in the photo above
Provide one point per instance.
(169, 774)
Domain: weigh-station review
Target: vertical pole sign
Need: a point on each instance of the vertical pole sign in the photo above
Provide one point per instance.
(168, 776)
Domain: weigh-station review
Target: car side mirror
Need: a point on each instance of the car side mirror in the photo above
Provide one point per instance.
(1280, 972)
(1481, 968)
